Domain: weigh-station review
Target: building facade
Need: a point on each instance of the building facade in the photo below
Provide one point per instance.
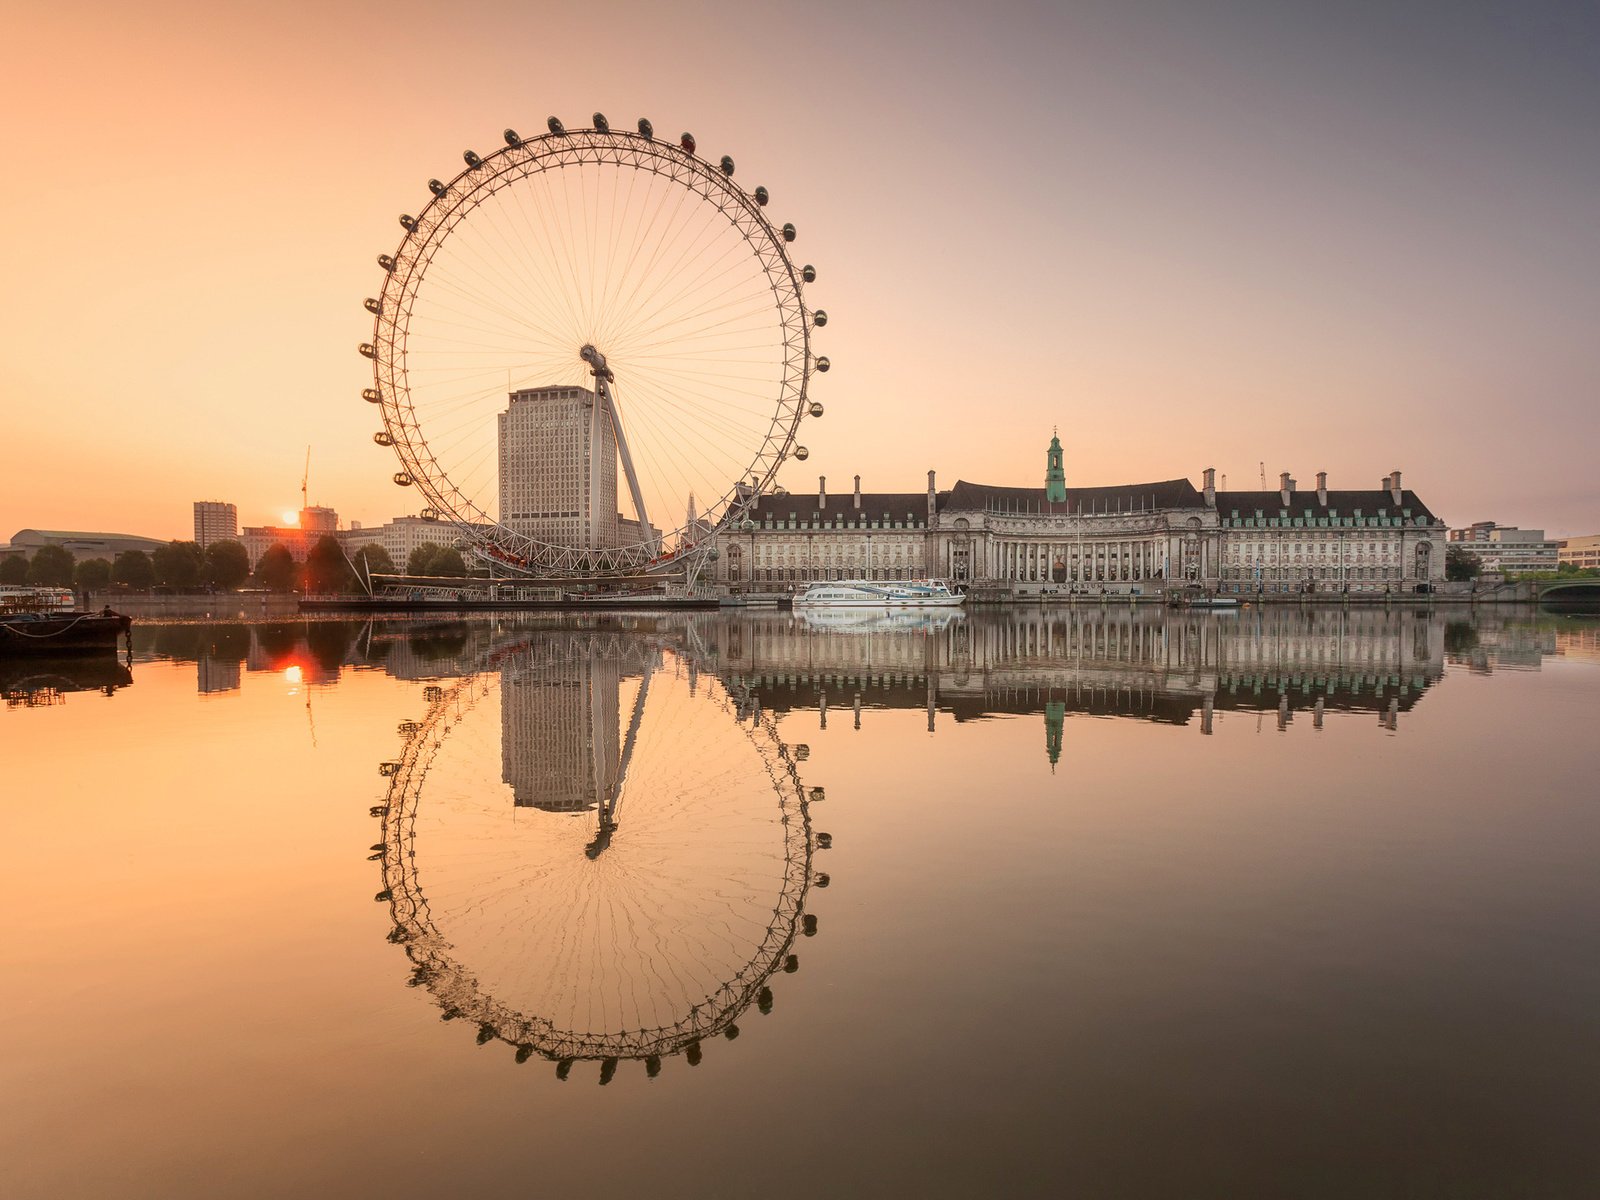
(81, 545)
(1581, 552)
(1128, 539)
(215, 521)
(549, 438)
(1502, 549)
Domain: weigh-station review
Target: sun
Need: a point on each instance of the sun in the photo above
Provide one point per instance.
(290, 519)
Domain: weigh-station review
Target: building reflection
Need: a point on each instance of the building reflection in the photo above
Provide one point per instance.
(1141, 663)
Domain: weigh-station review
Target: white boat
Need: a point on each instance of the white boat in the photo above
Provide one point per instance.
(866, 593)
(16, 597)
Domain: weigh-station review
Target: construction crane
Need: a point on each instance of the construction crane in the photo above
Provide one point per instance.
(305, 480)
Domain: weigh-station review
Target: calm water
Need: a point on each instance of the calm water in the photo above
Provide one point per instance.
(1271, 903)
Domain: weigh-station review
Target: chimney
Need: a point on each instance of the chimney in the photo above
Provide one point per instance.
(1211, 487)
(1395, 489)
(1285, 485)
(858, 491)
(932, 510)
(1322, 488)
(822, 491)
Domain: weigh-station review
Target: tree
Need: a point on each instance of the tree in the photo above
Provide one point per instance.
(1459, 565)
(227, 565)
(421, 560)
(51, 567)
(326, 568)
(373, 559)
(449, 562)
(92, 574)
(276, 569)
(132, 569)
(14, 569)
(178, 564)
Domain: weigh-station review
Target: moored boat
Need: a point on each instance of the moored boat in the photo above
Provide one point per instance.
(52, 632)
(866, 593)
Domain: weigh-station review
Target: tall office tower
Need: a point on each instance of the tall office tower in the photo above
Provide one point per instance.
(548, 437)
(215, 521)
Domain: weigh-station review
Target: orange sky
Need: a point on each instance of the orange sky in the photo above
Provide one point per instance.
(1346, 242)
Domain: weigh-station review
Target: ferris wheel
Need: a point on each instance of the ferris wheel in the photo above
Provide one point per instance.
(591, 351)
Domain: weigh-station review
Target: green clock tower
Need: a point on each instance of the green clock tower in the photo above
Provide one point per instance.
(1055, 479)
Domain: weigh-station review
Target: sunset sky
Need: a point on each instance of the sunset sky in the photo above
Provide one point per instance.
(1351, 237)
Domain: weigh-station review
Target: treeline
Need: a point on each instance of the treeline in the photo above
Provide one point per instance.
(225, 566)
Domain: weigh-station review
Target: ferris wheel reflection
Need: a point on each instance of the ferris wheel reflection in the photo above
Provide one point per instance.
(615, 869)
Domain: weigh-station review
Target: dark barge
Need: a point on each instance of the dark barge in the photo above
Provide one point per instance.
(47, 633)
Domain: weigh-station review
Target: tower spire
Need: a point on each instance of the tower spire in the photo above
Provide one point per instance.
(1055, 478)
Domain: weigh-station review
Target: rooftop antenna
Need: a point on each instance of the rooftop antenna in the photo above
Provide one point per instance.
(1263, 476)
(1224, 481)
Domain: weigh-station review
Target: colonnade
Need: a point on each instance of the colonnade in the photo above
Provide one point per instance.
(1103, 560)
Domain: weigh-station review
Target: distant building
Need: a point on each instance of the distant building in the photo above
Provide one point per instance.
(315, 524)
(1580, 551)
(1505, 548)
(79, 545)
(215, 521)
(400, 536)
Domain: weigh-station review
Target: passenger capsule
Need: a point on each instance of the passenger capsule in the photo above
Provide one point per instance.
(802, 453)
(401, 478)
(429, 514)
(600, 123)
(647, 129)
(808, 925)
(471, 159)
(372, 306)
(386, 262)
(819, 318)
(371, 395)
(808, 273)
(823, 364)
(382, 438)
(512, 138)
(727, 166)
(556, 127)
(816, 408)
(791, 964)
(788, 232)
(407, 222)
(822, 879)
(824, 841)
(818, 795)
(437, 188)
(687, 142)
(762, 197)
(368, 350)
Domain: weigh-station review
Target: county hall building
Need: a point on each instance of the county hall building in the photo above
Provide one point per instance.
(1129, 539)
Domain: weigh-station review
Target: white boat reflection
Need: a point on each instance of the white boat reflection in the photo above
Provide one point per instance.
(866, 620)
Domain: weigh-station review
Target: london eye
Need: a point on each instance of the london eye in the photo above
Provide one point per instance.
(614, 869)
(591, 350)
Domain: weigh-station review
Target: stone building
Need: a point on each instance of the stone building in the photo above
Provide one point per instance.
(1136, 538)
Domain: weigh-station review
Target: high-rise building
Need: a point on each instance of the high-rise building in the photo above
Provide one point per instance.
(549, 436)
(215, 521)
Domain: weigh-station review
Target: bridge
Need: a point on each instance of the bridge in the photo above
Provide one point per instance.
(1571, 593)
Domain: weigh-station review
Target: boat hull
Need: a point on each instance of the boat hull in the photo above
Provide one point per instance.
(62, 633)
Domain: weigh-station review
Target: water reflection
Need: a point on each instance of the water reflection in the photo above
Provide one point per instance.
(39, 682)
(615, 868)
